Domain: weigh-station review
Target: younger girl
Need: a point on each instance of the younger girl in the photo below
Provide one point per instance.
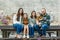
(25, 22)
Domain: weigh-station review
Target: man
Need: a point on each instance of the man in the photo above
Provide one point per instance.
(45, 23)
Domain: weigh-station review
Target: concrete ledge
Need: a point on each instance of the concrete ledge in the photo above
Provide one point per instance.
(45, 38)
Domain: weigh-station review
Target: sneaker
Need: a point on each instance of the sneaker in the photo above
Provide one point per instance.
(27, 36)
(18, 37)
(24, 36)
(43, 36)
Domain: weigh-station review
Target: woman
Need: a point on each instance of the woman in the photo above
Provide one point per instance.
(17, 22)
(38, 18)
(26, 28)
(38, 23)
(31, 23)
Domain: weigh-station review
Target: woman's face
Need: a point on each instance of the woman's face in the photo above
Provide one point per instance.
(38, 14)
(34, 13)
(21, 10)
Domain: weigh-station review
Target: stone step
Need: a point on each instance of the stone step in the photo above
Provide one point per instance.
(44, 38)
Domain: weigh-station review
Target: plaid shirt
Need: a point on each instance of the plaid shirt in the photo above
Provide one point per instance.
(46, 19)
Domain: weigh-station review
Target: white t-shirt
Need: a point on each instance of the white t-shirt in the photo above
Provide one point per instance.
(15, 21)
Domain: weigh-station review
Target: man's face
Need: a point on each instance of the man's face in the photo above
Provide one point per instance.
(43, 11)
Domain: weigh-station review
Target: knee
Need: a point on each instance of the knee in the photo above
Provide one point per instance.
(35, 26)
(44, 26)
(15, 26)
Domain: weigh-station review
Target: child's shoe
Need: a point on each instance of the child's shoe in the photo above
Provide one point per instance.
(27, 36)
(24, 36)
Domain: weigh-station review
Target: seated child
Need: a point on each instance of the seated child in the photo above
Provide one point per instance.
(25, 22)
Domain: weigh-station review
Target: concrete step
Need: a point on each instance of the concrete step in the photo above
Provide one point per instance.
(38, 38)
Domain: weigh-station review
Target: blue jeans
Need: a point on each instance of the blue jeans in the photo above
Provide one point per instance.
(36, 27)
(31, 31)
(18, 27)
(44, 27)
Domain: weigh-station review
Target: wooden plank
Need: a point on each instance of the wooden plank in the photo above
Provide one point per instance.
(11, 27)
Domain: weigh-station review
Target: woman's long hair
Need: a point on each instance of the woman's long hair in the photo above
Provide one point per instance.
(32, 15)
(19, 14)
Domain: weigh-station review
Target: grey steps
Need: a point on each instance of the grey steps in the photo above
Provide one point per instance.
(30, 38)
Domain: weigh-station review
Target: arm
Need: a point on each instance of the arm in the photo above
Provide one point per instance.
(48, 18)
(37, 22)
(30, 21)
(14, 18)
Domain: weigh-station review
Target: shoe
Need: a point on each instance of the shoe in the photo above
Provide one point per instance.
(43, 36)
(40, 35)
(24, 36)
(27, 36)
(18, 37)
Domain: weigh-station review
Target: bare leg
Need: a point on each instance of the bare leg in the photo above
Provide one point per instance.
(24, 31)
(27, 31)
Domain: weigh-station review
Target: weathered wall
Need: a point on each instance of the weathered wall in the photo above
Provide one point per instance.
(52, 6)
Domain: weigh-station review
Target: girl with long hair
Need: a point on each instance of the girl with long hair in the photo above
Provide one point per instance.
(38, 23)
(32, 22)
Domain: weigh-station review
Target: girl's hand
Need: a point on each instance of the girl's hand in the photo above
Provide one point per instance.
(37, 22)
(31, 24)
